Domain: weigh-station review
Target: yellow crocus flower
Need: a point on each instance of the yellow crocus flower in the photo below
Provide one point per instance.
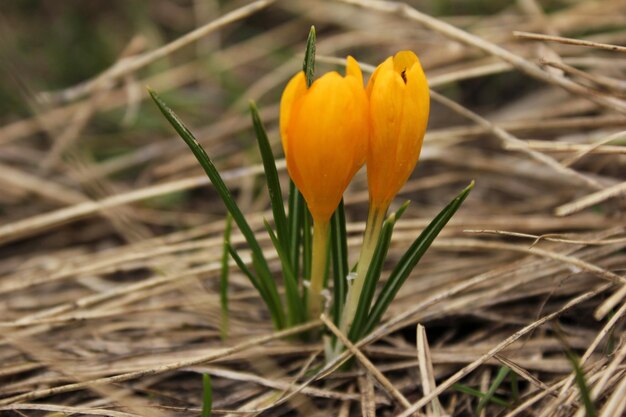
(324, 132)
(399, 105)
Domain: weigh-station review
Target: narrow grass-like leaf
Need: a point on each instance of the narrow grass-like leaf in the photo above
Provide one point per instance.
(474, 392)
(339, 255)
(514, 387)
(295, 307)
(497, 381)
(373, 273)
(308, 66)
(371, 278)
(299, 226)
(243, 267)
(581, 382)
(297, 207)
(251, 276)
(265, 275)
(207, 396)
(579, 374)
(271, 176)
(295, 219)
(272, 299)
(402, 209)
(412, 256)
(307, 243)
(224, 278)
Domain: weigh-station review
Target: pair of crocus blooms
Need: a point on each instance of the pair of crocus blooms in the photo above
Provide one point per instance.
(330, 129)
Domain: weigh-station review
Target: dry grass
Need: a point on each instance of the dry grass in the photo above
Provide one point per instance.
(109, 299)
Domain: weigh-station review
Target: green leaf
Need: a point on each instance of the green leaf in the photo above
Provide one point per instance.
(307, 243)
(256, 282)
(474, 392)
(296, 219)
(299, 227)
(309, 58)
(339, 255)
(224, 278)
(270, 293)
(514, 387)
(579, 374)
(271, 176)
(413, 255)
(581, 382)
(207, 396)
(244, 268)
(402, 209)
(371, 278)
(497, 381)
(295, 306)
(373, 274)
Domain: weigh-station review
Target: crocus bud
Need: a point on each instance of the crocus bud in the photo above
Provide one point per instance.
(399, 103)
(324, 132)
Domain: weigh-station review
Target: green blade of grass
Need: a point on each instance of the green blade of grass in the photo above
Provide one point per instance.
(207, 396)
(371, 278)
(581, 382)
(295, 220)
(339, 255)
(271, 176)
(264, 276)
(295, 307)
(402, 209)
(307, 243)
(579, 374)
(497, 381)
(373, 274)
(247, 272)
(474, 392)
(224, 279)
(298, 221)
(412, 256)
(297, 207)
(514, 388)
(308, 66)
(273, 301)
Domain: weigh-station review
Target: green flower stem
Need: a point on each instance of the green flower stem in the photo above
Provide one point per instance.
(318, 268)
(375, 220)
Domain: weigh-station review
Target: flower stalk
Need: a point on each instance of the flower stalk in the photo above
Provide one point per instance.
(318, 268)
(375, 220)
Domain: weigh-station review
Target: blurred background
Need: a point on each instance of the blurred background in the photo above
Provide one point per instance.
(49, 49)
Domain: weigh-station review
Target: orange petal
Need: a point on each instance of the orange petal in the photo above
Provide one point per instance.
(399, 107)
(327, 134)
(387, 64)
(353, 69)
(404, 60)
(295, 89)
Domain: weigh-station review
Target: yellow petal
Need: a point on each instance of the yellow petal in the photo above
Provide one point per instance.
(387, 64)
(353, 69)
(327, 131)
(404, 60)
(295, 89)
(399, 108)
